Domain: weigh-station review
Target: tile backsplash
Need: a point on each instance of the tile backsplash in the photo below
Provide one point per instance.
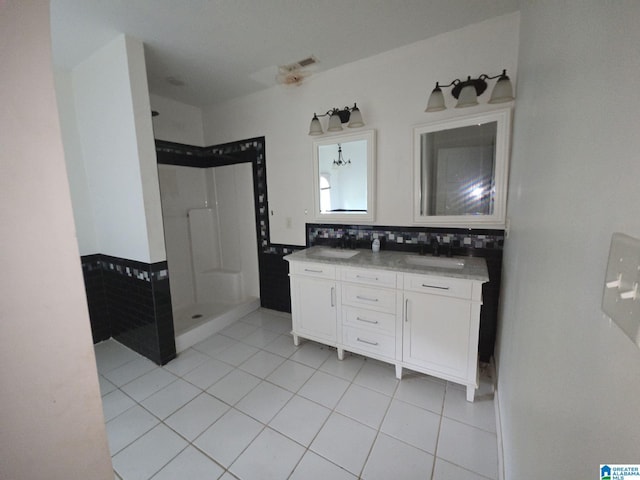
(406, 238)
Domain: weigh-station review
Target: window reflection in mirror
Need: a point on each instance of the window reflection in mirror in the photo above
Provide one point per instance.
(461, 170)
(457, 170)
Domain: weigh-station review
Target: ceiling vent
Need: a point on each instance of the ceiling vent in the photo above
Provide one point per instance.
(295, 73)
(307, 61)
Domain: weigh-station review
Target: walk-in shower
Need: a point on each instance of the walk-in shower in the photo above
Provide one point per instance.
(210, 236)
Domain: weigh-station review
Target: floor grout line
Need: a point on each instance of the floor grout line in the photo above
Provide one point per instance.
(262, 349)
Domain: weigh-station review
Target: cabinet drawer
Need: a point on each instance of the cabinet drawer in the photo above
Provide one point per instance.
(369, 319)
(370, 298)
(449, 287)
(320, 270)
(370, 277)
(368, 341)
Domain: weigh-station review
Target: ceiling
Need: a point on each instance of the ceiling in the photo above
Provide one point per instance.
(203, 52)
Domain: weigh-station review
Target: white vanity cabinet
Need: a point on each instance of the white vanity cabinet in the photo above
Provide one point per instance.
(314, 300)
(427, 323)
(441, 325)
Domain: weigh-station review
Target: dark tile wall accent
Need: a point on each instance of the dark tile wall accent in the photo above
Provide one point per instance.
(96, 298)
(274, 282)
(130, 301)
(464, 241)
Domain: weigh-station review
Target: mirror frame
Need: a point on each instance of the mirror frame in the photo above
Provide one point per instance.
(497, 219)
(342, 217)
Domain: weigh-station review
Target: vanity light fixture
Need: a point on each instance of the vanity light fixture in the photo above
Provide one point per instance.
(336, 118)
(340, 162)
(467, 92)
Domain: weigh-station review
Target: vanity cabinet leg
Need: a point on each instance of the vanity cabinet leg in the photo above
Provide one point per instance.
(399, 372)
(471, 392)
(340, 354)
(296, 340)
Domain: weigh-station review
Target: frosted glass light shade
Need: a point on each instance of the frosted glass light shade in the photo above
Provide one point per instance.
(436, 101)
(355, 120)
(315, 128)
(468, 97)
(335, 125)
(503, 91)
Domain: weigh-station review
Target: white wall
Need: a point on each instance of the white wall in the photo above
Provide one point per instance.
(177, 122)
(80, 195)
(114, 126)
(391, 89)
(51, 423)
(569, 382)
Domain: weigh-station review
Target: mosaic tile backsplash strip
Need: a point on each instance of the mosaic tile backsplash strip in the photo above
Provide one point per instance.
(405, 238)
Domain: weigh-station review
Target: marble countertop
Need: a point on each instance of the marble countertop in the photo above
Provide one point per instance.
(475, 268)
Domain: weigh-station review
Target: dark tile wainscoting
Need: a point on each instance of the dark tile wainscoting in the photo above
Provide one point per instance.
(131, 302)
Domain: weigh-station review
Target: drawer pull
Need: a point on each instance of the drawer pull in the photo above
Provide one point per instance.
(311, 270)
(375, 344)
(375, 322)
(333, 303)
(359, 297)
(364, 277)
(435, 286)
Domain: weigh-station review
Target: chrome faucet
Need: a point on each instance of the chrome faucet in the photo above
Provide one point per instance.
(435, 247)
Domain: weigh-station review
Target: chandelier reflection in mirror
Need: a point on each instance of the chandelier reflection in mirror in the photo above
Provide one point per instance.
(340, 161)
(467, 92)
(336, 118)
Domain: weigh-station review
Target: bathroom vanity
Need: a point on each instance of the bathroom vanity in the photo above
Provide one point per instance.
(416, 312)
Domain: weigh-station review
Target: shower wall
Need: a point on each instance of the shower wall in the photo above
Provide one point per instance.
(220, 235)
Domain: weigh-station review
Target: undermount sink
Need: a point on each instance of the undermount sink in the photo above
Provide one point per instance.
(437, 262)
(335, 253)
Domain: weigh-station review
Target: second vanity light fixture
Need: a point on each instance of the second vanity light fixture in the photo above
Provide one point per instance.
(467, 92)
(336, 118)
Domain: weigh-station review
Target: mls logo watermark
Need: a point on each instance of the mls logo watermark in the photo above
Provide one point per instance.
(619, 472)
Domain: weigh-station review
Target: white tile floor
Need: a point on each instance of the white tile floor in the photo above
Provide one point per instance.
(247, 404)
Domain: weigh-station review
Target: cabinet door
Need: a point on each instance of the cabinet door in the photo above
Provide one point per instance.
(314, 308)
(437, 333)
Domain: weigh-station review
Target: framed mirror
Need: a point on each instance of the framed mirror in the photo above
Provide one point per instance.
(461, 170)
(344, 177)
